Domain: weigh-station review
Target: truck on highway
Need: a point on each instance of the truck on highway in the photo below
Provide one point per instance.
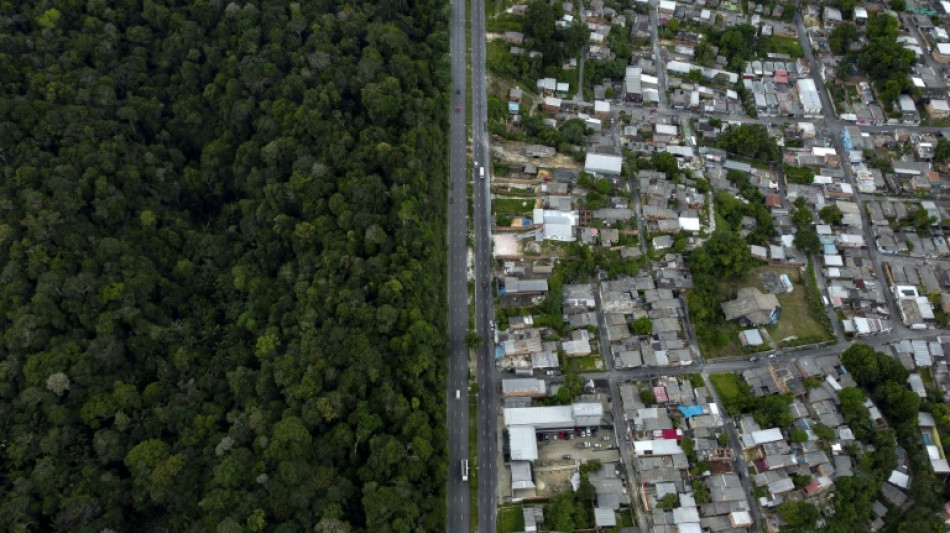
(481, 172)
(464, 469)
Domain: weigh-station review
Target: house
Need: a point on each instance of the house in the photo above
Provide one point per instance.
(514, 37)
(831, 16)
(909, 114)
(603, 164)
(938, 109)
(752, 307)
(942, 53)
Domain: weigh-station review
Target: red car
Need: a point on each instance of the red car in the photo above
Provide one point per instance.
(458, 109)
(484, 284)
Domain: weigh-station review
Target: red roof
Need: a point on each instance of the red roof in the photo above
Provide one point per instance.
(813, 487)
(779, 78)
(672, 434)
(773, 201)
(660, 393)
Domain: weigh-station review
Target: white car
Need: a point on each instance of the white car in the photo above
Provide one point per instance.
(458, 394)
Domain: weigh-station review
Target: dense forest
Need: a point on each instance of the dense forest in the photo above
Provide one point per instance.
(222, 265)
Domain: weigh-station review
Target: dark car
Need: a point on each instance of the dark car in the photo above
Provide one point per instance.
(484, 284)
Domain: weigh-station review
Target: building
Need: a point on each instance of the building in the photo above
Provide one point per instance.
(942, 53)
(752, 307)
(938, 109)
(909, 114)
(603, 164)
(809, 98)
(633, 85)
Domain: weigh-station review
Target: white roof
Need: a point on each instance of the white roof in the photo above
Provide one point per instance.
(834, 260)
(587, 413)
(685, 515)
(740, 518)
(603, 163)
(668, 5)
(656, 447)
(940, 105)
(689, 527)
(666, 129)
(766, 435)
(899, 479)
(524, 443)
(689, 223)
(549, 417)
(601, 105)
(943, 48)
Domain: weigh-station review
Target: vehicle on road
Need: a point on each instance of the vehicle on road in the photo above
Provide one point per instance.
(458, 109)
(458, 394)
(566, 457)
(464, 469)
(484, 284)
(481, 172)
(753, 359)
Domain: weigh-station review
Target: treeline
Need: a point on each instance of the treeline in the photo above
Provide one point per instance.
(885, 381)
(221, 271)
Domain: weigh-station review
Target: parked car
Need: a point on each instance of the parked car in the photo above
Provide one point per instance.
(566, 457)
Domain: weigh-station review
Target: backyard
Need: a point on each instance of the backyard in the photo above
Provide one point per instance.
(796, 325)
(797, 319)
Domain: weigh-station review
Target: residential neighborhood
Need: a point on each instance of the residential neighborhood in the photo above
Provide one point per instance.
(720, 268)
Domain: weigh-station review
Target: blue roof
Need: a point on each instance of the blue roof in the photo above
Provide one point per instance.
(830, 249)
(691, 411)
(499, 351)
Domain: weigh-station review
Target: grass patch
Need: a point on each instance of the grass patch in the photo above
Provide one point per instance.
(513, 206)
(926, 376)
(577, 365)
(503, 22)
(732, 348)
(510, 519)
(781, 45)
(625, 518)
(729, 387)
(799, 175)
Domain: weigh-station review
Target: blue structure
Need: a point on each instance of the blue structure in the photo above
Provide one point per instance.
(691, 411)
(846, 138)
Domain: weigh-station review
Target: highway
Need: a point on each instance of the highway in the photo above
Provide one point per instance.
(457, 374)
(488, 434)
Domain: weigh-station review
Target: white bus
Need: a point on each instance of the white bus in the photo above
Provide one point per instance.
(464, 469)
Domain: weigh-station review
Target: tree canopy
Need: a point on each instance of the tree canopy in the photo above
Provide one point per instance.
(222, 265)
(748, 140)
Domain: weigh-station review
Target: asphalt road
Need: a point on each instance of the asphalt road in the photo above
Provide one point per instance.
(488, 434)
(657, 53)
(457, 377)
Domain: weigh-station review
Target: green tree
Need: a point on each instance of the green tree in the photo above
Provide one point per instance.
(799, 436)
(942, 151)
(642, 326)
(842, 37)
(831, 214)
(647, 397)
(807, 241)
(799, 516)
